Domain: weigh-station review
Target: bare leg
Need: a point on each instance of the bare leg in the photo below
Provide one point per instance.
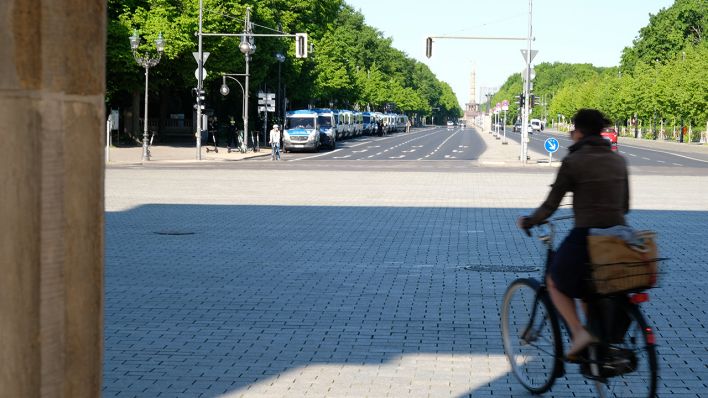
(565, 305)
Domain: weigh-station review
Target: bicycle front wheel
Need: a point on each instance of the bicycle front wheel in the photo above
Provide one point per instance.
(633, 361)
(531, 335)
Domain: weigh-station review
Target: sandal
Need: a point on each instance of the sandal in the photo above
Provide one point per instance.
(580, 343)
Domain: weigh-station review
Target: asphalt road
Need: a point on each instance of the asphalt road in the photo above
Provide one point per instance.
(434, 143)
(658, 156)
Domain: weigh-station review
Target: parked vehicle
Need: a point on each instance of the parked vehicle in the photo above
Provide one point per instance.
(450, 125)
(301, 131)
(610, 134)
(369, 123)
(517, 126)
(536, 125)
(327, 127)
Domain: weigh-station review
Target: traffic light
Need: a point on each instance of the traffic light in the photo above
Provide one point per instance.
(301, 45)
(532, 100)
(521, 100)
(429, 47)
(201, 97)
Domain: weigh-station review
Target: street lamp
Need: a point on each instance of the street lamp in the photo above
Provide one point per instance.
(146, 62)
(247, 46)
(224, 90)
(281, 115)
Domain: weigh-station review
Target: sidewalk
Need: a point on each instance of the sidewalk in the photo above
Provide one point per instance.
(178, 153)
(500, 154)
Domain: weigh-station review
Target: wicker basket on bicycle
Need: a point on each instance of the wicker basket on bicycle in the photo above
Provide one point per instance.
(618, 267)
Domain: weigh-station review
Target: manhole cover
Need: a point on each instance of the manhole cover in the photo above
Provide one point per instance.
(174, 233)
(501, 268)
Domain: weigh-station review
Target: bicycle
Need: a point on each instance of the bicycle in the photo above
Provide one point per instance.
(622, 364)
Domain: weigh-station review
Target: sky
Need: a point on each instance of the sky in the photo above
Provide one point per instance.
(573, 31)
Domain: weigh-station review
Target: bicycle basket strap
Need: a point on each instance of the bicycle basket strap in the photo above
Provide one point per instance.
(618, 267)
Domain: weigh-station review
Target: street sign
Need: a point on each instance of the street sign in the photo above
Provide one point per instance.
(205, 56)
(196, 73)
(551, 144)
(525, 52)
(505, 105)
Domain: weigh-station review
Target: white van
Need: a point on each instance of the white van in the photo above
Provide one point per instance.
(536, 125)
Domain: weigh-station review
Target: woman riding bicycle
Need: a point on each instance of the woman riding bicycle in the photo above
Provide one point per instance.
(598, 179)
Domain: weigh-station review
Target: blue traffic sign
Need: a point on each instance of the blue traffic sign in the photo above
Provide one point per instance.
(551, 144)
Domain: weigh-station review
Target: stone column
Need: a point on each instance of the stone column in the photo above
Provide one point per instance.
(52, 85)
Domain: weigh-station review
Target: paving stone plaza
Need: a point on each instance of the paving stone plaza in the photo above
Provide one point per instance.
(233, 281)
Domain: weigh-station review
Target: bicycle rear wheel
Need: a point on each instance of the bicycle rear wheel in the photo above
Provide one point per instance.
(531, 335)
(635, 360)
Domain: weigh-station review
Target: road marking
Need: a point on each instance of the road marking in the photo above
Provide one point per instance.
(645, 158)
(397, 157)
(363, 150)
(661, 161)
(677, 164)
(670, 153)
(317, 156)
(341, 157)
(631, 154)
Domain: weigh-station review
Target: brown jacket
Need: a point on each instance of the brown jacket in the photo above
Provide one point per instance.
(597, 177)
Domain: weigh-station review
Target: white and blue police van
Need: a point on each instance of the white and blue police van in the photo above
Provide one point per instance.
(301, 131)
(327, 126)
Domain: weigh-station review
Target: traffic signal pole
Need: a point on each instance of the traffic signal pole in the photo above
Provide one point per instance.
(527, 91)
(200, 85)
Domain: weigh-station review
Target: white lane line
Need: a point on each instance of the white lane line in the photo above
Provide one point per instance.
(677, 164)
(631, 154)
(363, 150)
(667, 152)
(645, 158)
(397, 157)
(317, 156)
(341, 157)
(661, 161)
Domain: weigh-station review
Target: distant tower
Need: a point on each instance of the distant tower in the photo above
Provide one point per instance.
(472, 108)
(473, 90)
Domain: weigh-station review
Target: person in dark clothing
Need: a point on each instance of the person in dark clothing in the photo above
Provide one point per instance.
(598, 179)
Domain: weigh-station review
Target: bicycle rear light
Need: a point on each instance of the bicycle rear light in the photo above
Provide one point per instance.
(639, 298)
(651, 338)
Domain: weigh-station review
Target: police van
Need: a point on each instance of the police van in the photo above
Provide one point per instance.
(301, 131)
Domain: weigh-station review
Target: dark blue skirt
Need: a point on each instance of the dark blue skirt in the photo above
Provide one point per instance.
(570, 267)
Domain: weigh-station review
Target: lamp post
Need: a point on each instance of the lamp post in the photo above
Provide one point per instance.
(146, 62)
(247, 47)
(224, 90)
(281, 115)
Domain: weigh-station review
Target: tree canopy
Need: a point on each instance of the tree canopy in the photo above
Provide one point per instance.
(352, 65)
(663, 76)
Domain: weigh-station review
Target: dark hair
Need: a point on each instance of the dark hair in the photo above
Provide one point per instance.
(590, 121)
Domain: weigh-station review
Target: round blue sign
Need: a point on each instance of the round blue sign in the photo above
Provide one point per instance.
(551, 144)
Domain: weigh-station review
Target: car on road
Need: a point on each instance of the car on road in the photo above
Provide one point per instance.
(517, 127)
(450, 125)
(610, 134)
(536, 125)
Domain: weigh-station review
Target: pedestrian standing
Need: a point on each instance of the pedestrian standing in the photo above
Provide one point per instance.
(408, 126)
(275, 142)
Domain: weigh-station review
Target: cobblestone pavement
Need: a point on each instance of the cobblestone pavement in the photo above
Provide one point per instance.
(270, 283)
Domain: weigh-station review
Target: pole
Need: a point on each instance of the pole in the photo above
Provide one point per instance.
(146, 153)
(200, 83)
(108, 139)
(279, 99)
(244, 142)
(504, 141)
(527, 89)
